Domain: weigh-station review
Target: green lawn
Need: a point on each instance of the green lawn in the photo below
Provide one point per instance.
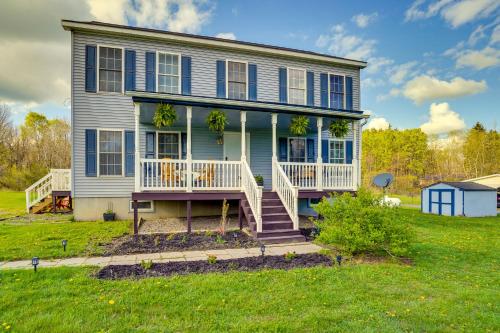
(452, 287)
(12, 204)
(406, 199)
(43, 239)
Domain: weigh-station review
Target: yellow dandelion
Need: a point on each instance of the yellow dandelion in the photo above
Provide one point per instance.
(422, 298)
(111, 302)
(7, 327)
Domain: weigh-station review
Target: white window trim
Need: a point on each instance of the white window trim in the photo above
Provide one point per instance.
(288, 84)
(288, 147)
(157, 143)
(329, 88)
(99, 152)
(142, 210)
(329, 150)
(227, 76)
(98, 64)
(179, 69)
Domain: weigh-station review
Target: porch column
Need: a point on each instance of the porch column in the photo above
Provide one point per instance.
(355, 157)
(274, 122)
(189, 158)
(243, 118)
(319, 158)
(137, 157)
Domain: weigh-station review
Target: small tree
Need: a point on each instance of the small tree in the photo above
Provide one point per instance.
(362, 224)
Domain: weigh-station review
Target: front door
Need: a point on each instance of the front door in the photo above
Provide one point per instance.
(232, 146)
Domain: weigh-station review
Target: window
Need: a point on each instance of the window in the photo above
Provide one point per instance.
(336, 91)
(337, 151)
(110, 153)
(142, 206)
(297, 86)
(236, 80)
(296, 149)
(169, 145)
(110, 69)
(168, 73)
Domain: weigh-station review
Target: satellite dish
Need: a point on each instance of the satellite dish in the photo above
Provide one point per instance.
(383, 180)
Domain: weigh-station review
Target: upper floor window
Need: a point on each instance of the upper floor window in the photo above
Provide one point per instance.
(169, 145)
(169, 73)
(296, 86)
(337, 91)
(337, 151)
(297, 149)
(110, 153)
(236, 80)
(110, 69)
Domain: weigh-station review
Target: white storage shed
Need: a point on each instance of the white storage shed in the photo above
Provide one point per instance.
(459, 198)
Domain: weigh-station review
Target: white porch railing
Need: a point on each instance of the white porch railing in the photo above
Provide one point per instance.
(253, 193)
(288, 193)
(55, 180)
(331, 176)
(216, 175)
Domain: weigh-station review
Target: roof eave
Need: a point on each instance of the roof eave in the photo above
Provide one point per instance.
(69, 25)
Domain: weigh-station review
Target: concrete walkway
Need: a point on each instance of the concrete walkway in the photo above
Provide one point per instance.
(275, 249)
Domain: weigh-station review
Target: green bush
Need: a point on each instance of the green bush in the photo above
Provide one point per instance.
(362, 224)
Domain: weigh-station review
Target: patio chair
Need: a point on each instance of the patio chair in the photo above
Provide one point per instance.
(207, 175)
(169, 173)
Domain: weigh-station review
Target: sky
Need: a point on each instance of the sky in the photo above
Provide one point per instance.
(433, 64)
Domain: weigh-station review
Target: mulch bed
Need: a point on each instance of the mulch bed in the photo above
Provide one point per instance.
(152, 243)
(114, 272)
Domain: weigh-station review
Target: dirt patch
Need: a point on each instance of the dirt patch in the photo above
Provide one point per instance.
(152, 243)
(196, 267)
(179, 224)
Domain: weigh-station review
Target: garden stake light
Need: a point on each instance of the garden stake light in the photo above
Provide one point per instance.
(35, 261)
(64, 243)
(263, 249)
(339, 259)
(235, 236)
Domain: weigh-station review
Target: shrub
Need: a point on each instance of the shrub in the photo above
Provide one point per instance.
(361, 224)
(289, 256)
(146, 264)
(212, 259)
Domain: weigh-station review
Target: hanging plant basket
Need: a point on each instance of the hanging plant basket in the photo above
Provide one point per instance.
(217, 121)
(165, 116)
(339, 128)
(299, 125)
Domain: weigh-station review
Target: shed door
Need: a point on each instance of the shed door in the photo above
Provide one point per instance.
(442, 202)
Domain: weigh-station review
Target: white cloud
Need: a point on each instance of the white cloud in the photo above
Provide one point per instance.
(426, 88)
(371, 82)
(455, 13)
(487, 57)
(399, 73)
(339, 43)
(110, 11)
(226, 35)
(442, 120)
(378, 124)
(392, 93)
(495, 35)
(363, 20)
(377, 63)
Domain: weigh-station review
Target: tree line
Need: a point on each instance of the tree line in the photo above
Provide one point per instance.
(30, 150)
(417, 159)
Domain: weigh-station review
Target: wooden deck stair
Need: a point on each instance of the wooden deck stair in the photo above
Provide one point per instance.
(277, 226)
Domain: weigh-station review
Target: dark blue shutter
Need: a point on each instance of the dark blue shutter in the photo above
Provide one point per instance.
(151, 71)
(186, 75)
(348, 92)
(150, 145)
(90, 68)
(129, 153)
(252, 82)
(310, 88)
(283, 152)
(323, 82)
(221, 78)
(310, 150)
(91, 153)
(283, 85)
(129, 70)
(348, 151)
(324, 151)
(183, 145)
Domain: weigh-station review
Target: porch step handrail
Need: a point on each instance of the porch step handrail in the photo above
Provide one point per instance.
(253, 193)
(288, 194)
(55, 180)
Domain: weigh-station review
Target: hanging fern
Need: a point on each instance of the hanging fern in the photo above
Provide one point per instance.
(165, 116)
(217, 121)
(299, 125)
(339, 128)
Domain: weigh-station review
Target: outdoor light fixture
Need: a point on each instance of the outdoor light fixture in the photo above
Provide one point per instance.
(339, 259)
(235, 236)
(64, 243)
(35, 261)
(262, 249)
